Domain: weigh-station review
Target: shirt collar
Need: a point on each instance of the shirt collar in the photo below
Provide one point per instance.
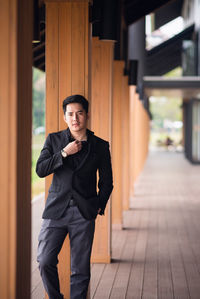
(71, 138)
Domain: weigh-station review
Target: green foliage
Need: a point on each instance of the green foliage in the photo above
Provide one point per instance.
(38, 106)
(37, 183)
(164, 108)
(37, 144)
(38, 115)
(177, 72)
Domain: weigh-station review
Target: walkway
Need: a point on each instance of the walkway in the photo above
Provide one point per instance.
(157, 254)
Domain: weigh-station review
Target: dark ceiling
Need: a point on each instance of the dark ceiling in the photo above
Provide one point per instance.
(136, 9)
(104, 14)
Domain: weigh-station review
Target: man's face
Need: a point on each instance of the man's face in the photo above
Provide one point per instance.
(76, 117)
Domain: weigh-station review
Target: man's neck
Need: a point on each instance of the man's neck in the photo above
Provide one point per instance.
(80, 136)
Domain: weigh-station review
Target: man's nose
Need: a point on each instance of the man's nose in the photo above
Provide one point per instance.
(75, 116)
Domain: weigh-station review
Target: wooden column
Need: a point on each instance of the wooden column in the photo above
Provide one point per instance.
(67, 73)
(117, 107)
(125, 144)
(15, 149)
(101, 100)
(132, 92)
(139, 136)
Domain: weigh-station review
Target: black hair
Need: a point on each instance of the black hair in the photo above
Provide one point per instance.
(77, 98)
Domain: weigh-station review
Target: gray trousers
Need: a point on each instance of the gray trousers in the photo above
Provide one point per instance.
(51, 238)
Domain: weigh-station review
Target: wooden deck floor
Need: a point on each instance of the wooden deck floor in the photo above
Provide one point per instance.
(157, 254)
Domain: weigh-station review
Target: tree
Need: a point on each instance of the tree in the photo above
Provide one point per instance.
(38, 104)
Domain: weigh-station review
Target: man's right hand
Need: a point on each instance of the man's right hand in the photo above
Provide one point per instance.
(73, 147)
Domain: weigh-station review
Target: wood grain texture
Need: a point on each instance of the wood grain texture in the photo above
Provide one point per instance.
(125, 144)
(139, 137)
(15, 127)
(132, 93)
(67, 48)
(102, 72)
(117, 107)
(8, 120)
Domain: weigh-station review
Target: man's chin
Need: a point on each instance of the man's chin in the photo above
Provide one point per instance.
(75, 129)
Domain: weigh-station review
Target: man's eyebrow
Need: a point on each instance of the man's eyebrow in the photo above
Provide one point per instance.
(74, 112)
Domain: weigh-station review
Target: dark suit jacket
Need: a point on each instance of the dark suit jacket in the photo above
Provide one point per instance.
(79, 183)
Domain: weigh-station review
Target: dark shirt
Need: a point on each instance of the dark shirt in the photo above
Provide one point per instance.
(75, 159)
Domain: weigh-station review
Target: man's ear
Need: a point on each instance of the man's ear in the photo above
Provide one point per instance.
(88, 115)
(64, 118)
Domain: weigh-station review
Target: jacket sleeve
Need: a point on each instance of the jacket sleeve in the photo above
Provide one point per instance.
(105, 183)
(48, 161)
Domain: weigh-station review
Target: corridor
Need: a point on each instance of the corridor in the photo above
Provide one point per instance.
(157, 254)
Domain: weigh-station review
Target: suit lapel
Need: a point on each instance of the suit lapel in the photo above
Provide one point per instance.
(65, 138)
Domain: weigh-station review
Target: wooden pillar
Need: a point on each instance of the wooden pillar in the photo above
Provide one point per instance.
(67, 73)
(142, 130)
(132, 92)
(15, 149)
(126, 144)
(101, 100)
(117, 107)
(138, 136)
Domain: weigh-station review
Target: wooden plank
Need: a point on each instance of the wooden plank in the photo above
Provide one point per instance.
(180, 286)
(189, 260)
(190, 214)
(65, 57)
(132, 92)
(117, 144)
(105, 285)
(126, 144)
(52, 70)
(102, 69)
(123, 273)
(96, 275)
(8, 120)
(15, 111)
(78, 47)
(38, 292)
(165, 287)
(150, 269)
(134, 290)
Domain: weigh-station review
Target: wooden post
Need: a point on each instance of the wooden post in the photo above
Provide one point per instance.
(15, 149)
(139, 136)
(67, 73)
(132, 91)
(102, 70)
(117, 107)
(125, 144)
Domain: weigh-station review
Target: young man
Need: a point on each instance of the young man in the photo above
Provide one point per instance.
(73, 156)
